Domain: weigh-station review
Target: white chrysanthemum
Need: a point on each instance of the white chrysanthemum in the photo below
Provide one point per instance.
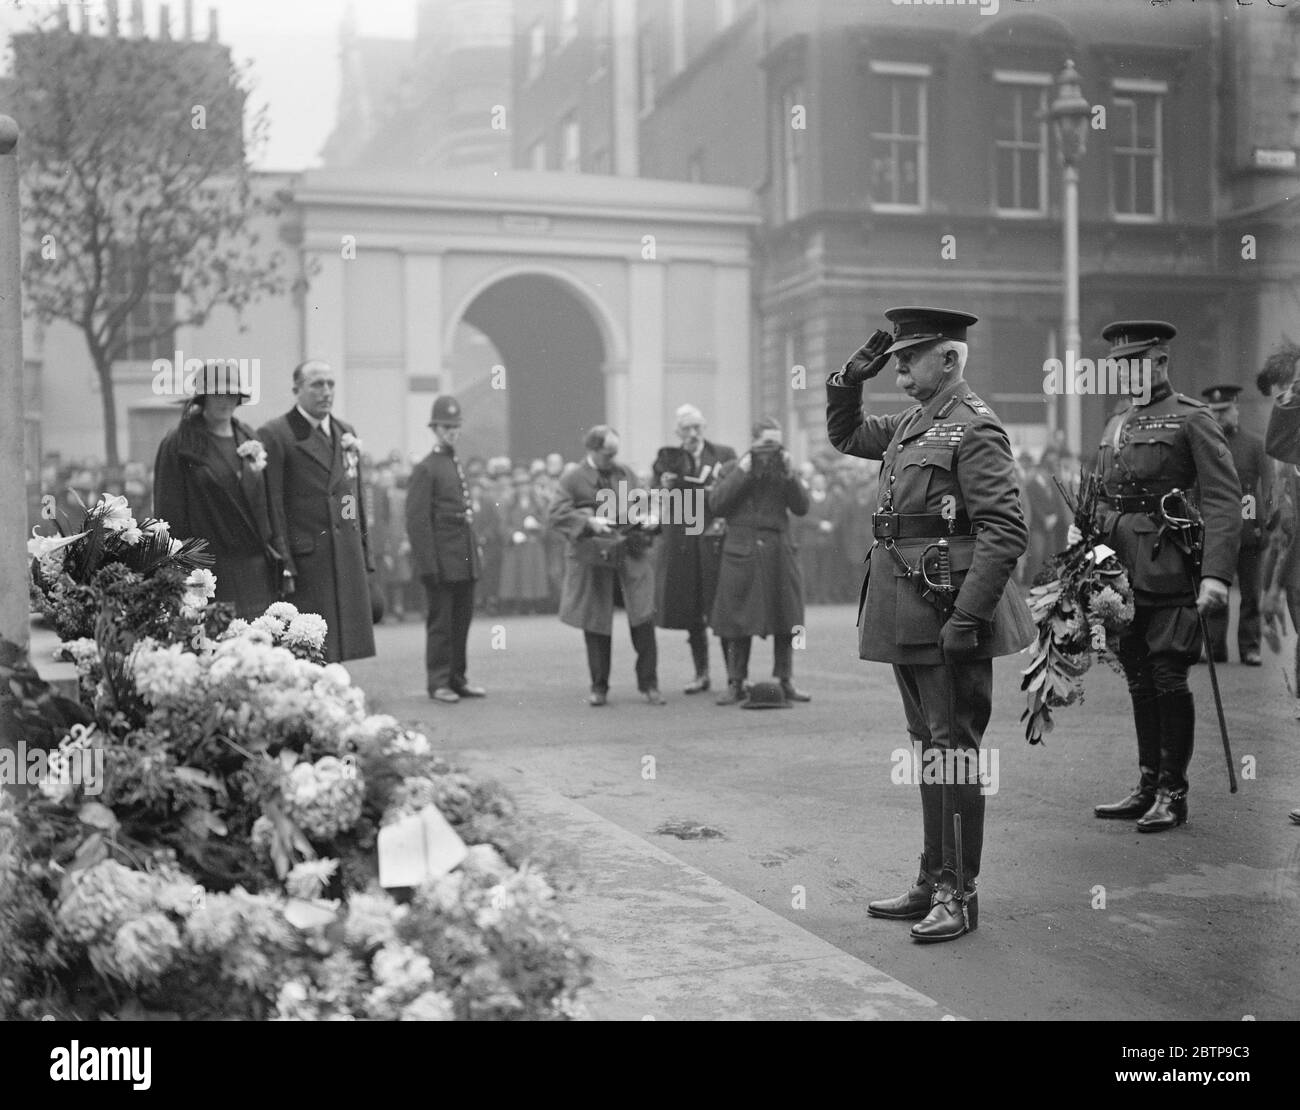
(281, 611)
(307, 629)
(430, 1006)
(202, 582)
(132, 535)
(237, 627)
(269, 624)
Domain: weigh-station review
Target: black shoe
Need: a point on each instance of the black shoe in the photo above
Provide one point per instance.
(951, 915)
(1295, 816)
(912, 906)
(734, 694)
(1135, 805)
(700, 684)
(1167, 812)
(468, 691)
(597, 698)
(791, 694)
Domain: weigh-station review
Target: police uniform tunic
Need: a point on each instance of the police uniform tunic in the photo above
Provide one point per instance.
(444, 551)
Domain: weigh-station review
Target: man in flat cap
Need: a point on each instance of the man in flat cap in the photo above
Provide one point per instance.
(1162, 442)
(1255, 472)
(948, 516)
(686, 575)
(444, 551)
(314, 484)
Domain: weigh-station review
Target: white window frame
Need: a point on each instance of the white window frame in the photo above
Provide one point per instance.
(1157, 90)
(921, 73)
(1036, 80)
(570, 144)
(536, 49)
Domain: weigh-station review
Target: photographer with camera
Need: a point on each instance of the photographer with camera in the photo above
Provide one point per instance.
(760, 588)
(687, 570)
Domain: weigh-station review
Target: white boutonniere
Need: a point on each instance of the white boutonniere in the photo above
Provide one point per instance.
(351, 453)
(255, 453)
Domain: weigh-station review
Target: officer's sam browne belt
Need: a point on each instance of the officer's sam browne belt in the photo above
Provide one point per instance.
(932, 574)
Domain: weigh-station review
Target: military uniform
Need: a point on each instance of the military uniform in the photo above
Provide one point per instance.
(1148, 450)
(445, 556)
(1255, 472)
(947, 474)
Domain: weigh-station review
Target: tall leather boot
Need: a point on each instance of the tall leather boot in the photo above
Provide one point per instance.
(1177, 733)
(955, 912)
(1146, 718)
(736, 651)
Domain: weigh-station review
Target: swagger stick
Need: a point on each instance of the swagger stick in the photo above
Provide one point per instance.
(1218, 703)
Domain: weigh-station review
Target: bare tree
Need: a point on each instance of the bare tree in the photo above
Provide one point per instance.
(136, 183)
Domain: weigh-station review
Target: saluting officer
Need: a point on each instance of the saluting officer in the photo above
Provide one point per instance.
(1165, 442)
(439, 521)
(947, 475)
(1255, 472)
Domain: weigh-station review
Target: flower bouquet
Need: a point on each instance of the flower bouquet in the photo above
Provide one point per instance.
(1081, 612)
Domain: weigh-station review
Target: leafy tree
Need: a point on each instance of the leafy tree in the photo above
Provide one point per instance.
(135, 182)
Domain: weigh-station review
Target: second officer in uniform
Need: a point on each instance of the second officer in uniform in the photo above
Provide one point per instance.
(1168, 442)
(445, 553)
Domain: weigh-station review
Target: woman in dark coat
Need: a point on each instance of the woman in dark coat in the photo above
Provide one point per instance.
(209, 481)
(760, 588)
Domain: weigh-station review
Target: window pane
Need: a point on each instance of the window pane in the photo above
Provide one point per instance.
(1145, 198)
(909, 96)
(882, 175)
(909, 191)
(1146, 122)
(1125, 128)
(1005, 123)
(1006, 178)
(1124, 183)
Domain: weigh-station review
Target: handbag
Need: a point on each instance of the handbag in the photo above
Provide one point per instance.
(601, 551)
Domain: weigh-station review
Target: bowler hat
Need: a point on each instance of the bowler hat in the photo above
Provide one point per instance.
(1131, 337)
(913, 326)
(446, 410)
(766, 695)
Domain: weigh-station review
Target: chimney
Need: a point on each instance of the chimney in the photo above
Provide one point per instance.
(187, 16)
(137, 19)
(111, 11)
(164, 23)
(212, 25)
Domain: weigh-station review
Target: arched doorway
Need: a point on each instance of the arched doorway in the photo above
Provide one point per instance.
(553, 355)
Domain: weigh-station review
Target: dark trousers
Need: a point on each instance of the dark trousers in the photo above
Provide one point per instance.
(1247, 621)
(698, 638)
(446, 629)
(600, 651)
(735, 650)
(933, 696)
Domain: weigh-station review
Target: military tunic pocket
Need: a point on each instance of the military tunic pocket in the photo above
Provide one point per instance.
(1149, 456)
(1164, 572)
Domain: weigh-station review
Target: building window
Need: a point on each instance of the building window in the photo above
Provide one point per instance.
(695, 165)
(536, 49)
(792, 143)
(645, 63)
(568, 21)
(1020, 143)
(149, 329)
(537, 155)
(1136, 153)
(570, 144)
(898, 129)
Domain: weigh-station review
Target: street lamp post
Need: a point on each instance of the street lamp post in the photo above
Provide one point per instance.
(1070, 112)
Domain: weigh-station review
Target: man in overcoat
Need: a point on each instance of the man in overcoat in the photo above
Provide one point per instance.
(1160, 442)
(444, 550)
(686, 575)
(591, 592)
(947, 475)
(760, 587)
(1255, 472)
(314, 490)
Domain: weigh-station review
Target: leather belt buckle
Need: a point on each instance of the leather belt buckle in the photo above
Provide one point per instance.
(884, 526)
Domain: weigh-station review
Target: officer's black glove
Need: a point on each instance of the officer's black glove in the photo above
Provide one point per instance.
(959, 638)
(869, 359)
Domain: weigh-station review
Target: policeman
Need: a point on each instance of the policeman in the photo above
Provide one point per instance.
(1163, 441)
(948, 516)
(1255, 472)
(439, 521)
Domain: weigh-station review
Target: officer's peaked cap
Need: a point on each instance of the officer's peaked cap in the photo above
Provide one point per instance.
(913, 326)
(1131, 337)
(446, 410)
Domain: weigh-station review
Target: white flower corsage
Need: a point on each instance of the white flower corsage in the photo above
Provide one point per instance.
(255, 453)
(351, 453)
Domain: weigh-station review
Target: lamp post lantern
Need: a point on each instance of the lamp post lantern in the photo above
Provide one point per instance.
(1070, 113)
